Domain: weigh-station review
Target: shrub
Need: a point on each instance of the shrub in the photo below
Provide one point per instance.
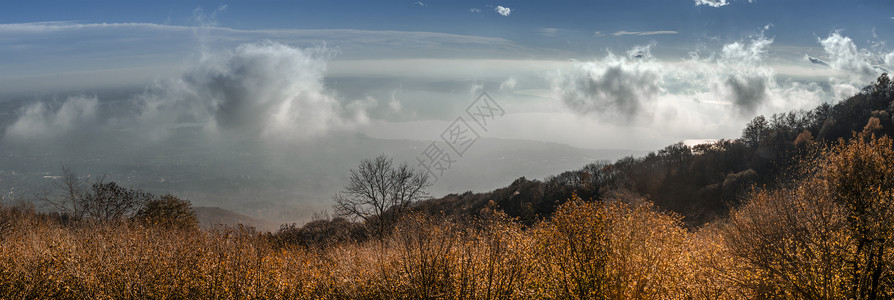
(168, 212)
(827, 236)
(321, 233)
(619, 249)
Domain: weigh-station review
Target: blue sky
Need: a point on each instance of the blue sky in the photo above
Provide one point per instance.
(795, 19)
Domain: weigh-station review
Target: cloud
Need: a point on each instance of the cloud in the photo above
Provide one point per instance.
(395, 104)
(38, 27)
(474, 10)
(64, 56)
(749, 53)
(735, 82)
(712, 3)
(843, 90)
(266, 91)
(207, 20)
(52, 120)
(747, 82)
(503, 11)
(509, 84)
(419, 3)
(614, 88)
(551, 32)
(844, 55)
(748, 91)
(624, 32)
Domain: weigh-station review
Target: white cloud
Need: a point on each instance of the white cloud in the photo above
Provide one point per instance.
(268, 89)
(48, 121)
(476, 88)
(732, 84)
(503, 11)
(474, 10)
(749, 53)
(844, 55)
(624, 32)
(395, 104)
(509, 84)
(419, 3)
(712, 3)
(740, 76)
(843, 90)
(36, 27)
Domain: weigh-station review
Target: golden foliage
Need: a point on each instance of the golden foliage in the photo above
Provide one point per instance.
(829, 235)
(826, 236)
(613, 250)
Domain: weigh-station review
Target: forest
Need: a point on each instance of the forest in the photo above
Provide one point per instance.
(799, 207)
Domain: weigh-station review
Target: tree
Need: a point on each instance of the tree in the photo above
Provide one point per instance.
(860, 176)
(168, 212)
(378, 192)
(755, 131)
(102, 201)
(827, 236)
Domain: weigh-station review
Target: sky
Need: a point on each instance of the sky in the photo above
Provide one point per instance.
(250, 93)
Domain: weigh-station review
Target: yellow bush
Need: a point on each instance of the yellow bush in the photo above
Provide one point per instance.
(829, 235)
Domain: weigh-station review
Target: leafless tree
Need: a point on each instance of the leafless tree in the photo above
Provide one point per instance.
(379, 192)
(70, 200)
(99, 201)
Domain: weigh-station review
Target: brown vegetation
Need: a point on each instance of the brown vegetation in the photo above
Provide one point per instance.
(589, 250)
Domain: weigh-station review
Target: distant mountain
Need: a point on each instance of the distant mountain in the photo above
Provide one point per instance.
(210, 216)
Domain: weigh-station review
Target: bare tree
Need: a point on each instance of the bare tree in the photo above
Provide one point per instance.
(70, 201)
(379, 192)
(101, 201)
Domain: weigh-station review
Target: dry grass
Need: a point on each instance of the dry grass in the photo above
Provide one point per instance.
(626, 250)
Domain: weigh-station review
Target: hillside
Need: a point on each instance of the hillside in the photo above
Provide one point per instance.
(211, 216)
(700, 183)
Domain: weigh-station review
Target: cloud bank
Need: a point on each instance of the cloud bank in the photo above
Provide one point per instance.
(266, 90)
(53, 120)
(705, 93)
(735, 82)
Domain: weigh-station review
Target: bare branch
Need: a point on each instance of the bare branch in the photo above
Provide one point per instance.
(377, 188)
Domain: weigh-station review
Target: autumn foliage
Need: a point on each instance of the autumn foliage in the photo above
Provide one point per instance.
(824, 234)
(829, 235)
